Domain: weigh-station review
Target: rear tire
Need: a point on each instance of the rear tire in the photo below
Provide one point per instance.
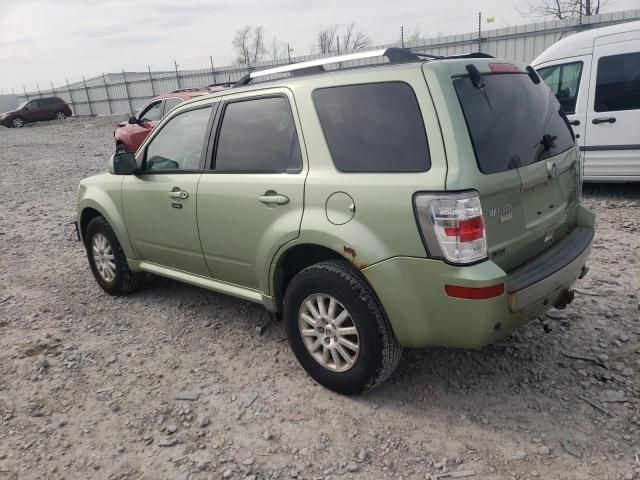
(17, 122)
(107, 260)
(366, 351)
(59, 115)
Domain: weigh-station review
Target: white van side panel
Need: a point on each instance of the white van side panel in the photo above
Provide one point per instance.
(612, 133)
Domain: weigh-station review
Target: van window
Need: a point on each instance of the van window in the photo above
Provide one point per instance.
(564, 82)
(618, 83)
(374, 127)
(511, 119)
(258, 136)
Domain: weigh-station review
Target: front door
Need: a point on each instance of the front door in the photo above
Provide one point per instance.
(160, 202)
(251, 202)
(148, 118)
(612, 147)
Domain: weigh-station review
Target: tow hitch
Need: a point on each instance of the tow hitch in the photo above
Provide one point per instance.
(565, 299)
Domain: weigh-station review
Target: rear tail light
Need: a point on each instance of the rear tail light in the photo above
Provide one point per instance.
(452, 226)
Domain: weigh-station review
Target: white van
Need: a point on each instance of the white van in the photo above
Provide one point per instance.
(596, 77)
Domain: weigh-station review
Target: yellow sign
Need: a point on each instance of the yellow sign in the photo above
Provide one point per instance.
(491, 19)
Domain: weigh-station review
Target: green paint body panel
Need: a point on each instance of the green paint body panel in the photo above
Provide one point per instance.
(225, 240)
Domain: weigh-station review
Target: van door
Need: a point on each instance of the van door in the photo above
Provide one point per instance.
(568, 79)
(612, 147)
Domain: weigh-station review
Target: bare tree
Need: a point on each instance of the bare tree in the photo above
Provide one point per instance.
(249, 45)
(241, 44)
(334, 39)
(326, 39)
(353, 39)
(277, 49)
(561, 9)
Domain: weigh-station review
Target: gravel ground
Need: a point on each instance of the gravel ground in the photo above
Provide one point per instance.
(91, 386)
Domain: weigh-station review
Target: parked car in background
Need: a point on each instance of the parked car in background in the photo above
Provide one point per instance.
(596, 78)
(129, 135)
(46, 108)
(419, 208)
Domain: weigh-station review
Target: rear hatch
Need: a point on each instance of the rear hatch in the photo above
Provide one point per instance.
(525, 166)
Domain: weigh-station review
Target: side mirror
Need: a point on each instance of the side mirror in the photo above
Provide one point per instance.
(133, 120)
(123, 163)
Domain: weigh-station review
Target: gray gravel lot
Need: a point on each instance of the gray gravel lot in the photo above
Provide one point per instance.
(90, 385)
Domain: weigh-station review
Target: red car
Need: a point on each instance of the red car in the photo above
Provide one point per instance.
(46, 108)
(129, 135)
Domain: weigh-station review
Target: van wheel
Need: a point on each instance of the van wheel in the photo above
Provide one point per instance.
(60, 115)
(17, 122)
(107, 260)
(337, 329)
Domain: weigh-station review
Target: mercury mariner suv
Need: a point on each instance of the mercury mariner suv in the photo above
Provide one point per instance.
(423, 201)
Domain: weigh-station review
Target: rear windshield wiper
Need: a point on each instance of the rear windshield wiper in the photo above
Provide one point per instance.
(476, 76)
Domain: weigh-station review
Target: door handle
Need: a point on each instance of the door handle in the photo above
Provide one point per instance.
(177, 193)
(575, 123)
(274, 199)
(596, 121)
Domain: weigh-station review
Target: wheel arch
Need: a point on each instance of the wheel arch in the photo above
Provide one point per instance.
(98, 203)
(294, 259)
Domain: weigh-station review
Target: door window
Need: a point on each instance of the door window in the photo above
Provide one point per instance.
(178, 145)
(152, 113)
(258, 136)
(564, 82)
(169, 103)
(618, 83)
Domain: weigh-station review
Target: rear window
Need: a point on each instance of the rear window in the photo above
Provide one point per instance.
(375, 127)
(511, 119)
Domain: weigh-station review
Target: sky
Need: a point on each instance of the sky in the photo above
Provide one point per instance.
(43, 41)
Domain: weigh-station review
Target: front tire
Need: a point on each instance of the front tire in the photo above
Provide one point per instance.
(17, 122)
(107, 260)
(59, 115)
(121, 148)
(338, 330)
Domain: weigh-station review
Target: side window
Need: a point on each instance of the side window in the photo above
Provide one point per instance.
(375, 127)
(564, 82)
(178, 145)
(258, 135)
(33, 104)
(152, 113)
(618, 83)
(169, 103)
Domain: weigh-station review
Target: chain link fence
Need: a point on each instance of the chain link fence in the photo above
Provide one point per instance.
(125, 92)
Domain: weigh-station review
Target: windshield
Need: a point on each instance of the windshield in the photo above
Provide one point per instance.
(22, 105)
(512, 121)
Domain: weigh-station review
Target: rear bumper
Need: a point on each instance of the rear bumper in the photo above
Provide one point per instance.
(412, 292)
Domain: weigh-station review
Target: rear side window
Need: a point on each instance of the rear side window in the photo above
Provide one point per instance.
(618, 83)
(258, 136)
(375, 127)
(564, 82)
(512, 121)
(169, 103)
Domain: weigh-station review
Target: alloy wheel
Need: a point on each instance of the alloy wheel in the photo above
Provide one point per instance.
(328, 332)
(60, 116)
(17, 122)
(103, 257)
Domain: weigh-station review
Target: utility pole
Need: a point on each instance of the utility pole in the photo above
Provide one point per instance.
(402, 35)
(213, 72)
(26, 95)
(53, 90)
(338, 43)
(289, 52)
(153, 90)
(38, 88)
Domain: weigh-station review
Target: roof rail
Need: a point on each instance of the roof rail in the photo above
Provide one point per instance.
(394, 54)
(193, 89)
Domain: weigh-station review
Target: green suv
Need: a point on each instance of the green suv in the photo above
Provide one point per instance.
(419, 202)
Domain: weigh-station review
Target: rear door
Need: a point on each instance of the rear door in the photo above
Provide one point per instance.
(612, 147)
(251, 202)
(516, 125)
